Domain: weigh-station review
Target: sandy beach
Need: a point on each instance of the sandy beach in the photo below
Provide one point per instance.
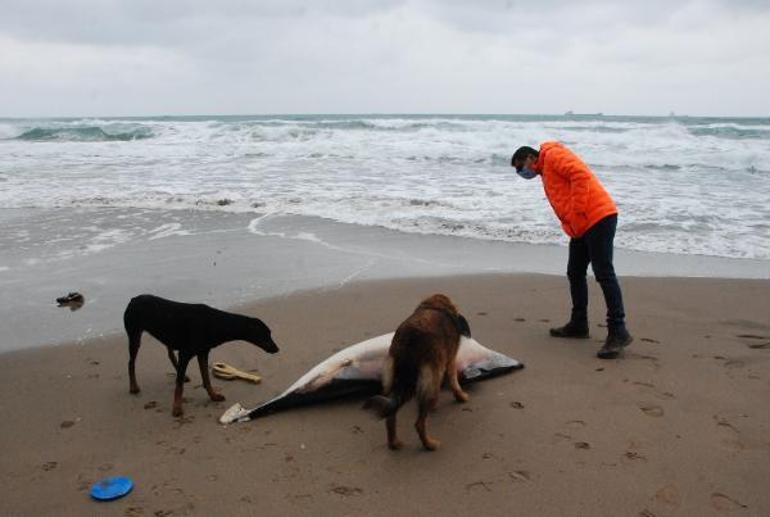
(678, 426)
(327, 166)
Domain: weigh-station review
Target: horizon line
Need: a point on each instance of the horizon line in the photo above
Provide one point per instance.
(672, 114)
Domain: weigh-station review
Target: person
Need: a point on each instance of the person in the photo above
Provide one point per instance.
(589, 216)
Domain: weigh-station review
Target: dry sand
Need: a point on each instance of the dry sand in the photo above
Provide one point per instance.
(679, 426)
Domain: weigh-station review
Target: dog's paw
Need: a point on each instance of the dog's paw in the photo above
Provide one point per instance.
(177, 411)
(395, 445)
(217, 397)
(133, 390)
(431, 444)
(461, 396)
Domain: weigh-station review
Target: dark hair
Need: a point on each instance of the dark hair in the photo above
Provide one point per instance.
(521, 154)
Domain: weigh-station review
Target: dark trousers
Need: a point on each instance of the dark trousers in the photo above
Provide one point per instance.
(595, 247)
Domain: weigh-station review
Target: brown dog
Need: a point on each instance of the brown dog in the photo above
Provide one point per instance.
(422, 352)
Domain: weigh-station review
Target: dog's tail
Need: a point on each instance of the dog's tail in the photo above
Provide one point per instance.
(399, 378)
(398, 391)
(383, 406)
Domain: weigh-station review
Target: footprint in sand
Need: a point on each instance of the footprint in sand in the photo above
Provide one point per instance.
(669, 496)
(346, 491)
(183, 420)
(481, 314)
(519, 319)
(520, 476)
(650, 340)
(572, 425)
(49, 465)
(723, 422)
(134, 511)
(84, 482)
(725, 503)
(752, 336)
(732, 440)
(759, 346)
(745, 324)
(654, 361)
(645, 384)
(652, 410)
(631, 456)
(650, 388)
(478, 484)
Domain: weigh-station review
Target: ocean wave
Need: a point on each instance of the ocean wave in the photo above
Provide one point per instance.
(731, 132)
(663, 167)
(597, 129)
(371, 125)
(440, 174)
(83, 134)
(681, 232)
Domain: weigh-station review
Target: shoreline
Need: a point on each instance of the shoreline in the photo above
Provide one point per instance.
(250, 306)
(676, 426)
(227, 260)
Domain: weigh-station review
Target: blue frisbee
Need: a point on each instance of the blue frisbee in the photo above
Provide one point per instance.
(111, 488)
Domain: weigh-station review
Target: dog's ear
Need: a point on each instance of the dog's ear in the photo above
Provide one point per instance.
(462, 326)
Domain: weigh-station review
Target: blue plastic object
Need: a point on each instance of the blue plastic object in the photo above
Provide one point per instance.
(111, 488)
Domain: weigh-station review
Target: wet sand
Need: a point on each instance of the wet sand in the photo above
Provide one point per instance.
(226, 259)
(678, 426)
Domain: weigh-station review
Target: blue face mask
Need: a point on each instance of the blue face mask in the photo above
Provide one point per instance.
(526, 173)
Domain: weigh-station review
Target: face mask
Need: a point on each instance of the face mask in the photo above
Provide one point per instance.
(526, 173)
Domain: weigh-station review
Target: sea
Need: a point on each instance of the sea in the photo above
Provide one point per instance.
(684, 185)
(79, 195)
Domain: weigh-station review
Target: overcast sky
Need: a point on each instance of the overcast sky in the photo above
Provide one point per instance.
(151, 57)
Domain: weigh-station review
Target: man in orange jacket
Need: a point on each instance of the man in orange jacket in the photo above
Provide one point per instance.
(589, 216)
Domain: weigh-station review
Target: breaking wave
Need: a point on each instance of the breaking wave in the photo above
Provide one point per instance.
(83, 134)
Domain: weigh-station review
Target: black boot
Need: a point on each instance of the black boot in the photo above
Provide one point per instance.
(572, 330)
(614, 345)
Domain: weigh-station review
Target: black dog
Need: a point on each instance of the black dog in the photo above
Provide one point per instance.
(193, 330)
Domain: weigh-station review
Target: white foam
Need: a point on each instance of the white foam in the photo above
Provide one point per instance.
(167, 230)
(438, 175)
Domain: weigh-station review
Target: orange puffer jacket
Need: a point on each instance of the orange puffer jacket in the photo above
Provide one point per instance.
(576, 195)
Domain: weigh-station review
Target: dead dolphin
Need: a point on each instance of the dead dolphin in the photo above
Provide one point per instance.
(358, 370)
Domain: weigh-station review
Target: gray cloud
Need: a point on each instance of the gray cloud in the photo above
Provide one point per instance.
(89, 57)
